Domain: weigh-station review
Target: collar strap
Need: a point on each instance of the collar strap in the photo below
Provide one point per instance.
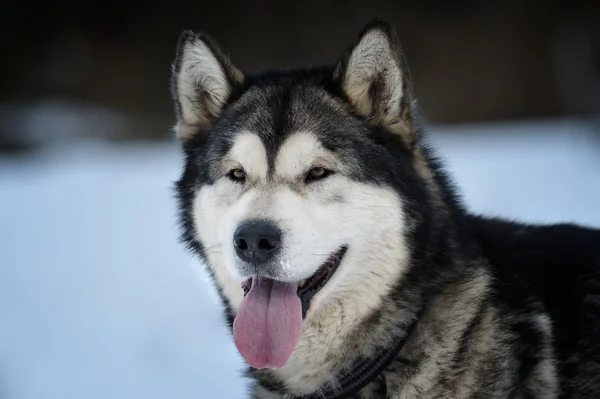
(364, 371)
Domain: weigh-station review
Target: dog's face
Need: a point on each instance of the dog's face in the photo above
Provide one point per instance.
(293, 179)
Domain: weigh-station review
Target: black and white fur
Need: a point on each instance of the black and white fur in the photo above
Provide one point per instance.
(507, 310)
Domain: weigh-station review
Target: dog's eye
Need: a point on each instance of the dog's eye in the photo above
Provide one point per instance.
(237, 174)
(317, 173)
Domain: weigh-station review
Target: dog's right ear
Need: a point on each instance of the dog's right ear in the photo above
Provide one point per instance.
(203, 79)
(376, 81)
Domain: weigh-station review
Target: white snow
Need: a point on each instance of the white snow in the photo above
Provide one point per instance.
(99, 300)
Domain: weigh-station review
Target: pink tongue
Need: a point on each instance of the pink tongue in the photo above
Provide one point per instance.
(269, 322)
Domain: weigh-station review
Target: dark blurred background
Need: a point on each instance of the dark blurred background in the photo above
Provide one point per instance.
(102, 68)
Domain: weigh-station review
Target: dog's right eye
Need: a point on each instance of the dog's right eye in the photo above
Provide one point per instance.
(317, 173)
(237, 175)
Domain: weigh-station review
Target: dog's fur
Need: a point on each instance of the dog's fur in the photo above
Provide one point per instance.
(507, 310)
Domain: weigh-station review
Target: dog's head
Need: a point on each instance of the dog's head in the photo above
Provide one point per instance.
(299, 187)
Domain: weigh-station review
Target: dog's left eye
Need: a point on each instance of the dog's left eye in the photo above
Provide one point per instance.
(317, 173)
(237, 175)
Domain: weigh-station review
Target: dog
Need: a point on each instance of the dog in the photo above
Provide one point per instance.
(345, 260)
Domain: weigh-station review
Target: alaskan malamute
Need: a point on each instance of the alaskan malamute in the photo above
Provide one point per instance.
(345, 261)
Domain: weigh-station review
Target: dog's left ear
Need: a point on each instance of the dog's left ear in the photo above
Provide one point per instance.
(374, 77)
(203, 80)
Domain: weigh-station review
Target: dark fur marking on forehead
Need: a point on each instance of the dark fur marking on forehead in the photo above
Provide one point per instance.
(282, 122)
(263, 106)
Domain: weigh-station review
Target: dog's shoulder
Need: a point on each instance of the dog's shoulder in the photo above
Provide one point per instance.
(549, 272)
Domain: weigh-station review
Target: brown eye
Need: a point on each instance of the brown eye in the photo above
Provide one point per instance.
(237, 174)
(317, 173)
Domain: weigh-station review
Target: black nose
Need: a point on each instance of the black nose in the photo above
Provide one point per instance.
(256, 241)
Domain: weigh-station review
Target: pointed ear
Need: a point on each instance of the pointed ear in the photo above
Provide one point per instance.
(374, 77)
(203, 79)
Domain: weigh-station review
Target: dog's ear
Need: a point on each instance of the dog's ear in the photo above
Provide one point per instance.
(374, 77)
(203, 79)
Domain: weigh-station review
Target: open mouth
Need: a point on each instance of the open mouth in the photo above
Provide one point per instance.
(268, 323)
(309, 287)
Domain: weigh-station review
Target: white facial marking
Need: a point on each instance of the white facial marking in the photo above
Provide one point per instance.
(298, 154)
(249, 152)
(316, 221)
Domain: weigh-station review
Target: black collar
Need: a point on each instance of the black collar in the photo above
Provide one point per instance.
(364, 371)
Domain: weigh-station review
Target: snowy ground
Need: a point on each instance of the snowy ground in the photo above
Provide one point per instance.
(98, 300)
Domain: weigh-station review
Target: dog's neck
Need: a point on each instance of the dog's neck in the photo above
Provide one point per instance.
(364, 371)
